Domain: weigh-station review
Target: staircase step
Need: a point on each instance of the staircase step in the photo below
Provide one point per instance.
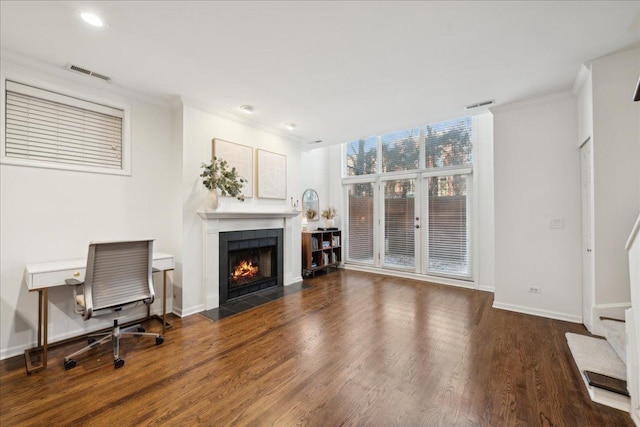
(605, 382)
(617, 337)
(596, 355)
(613, 319)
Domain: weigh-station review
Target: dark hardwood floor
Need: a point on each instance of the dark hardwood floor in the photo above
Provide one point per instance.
(355, 349)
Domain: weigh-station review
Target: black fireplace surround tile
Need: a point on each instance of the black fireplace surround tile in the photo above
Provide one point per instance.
(247, 302)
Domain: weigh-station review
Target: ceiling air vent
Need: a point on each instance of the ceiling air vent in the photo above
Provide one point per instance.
(479, 104)
(88, 72)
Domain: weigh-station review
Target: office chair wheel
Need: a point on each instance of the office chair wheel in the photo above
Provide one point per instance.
(141, 329)
(159, 340)
(118, 363)
(69, 364)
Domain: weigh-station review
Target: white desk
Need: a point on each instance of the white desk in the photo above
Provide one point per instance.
(41, 277)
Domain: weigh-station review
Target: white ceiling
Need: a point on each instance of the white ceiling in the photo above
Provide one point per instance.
(340, 70)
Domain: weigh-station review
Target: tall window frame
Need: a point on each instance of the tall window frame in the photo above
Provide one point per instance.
(460, 162)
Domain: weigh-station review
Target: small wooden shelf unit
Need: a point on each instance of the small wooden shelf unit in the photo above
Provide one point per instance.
(321, 250)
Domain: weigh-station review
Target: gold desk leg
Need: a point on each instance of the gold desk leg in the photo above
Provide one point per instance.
(43, 330)
(164, 301)
(163, 318)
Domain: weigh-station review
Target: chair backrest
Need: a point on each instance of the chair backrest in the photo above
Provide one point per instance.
(118, 274)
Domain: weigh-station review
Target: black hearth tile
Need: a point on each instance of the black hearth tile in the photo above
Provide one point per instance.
(255, 299)
(237, 306)
(272, 295)
(279, 293)
(218, 313)
(292, 289)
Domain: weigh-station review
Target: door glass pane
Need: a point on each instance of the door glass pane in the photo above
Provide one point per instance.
(360, 222)
(449, 232)
(399, 223)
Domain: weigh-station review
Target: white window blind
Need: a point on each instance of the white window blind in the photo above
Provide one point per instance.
(399, 223)
(51, 128)
(360, 242)
(448, 204)
(401, 150)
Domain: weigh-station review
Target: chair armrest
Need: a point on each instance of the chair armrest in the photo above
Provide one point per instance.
(73, 282)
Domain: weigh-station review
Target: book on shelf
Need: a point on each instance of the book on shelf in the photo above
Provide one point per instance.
(326, 244)
(335, 241)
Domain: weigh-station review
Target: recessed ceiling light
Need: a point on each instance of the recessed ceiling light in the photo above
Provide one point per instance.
(290, 126)
(92, 19)
(248, 108)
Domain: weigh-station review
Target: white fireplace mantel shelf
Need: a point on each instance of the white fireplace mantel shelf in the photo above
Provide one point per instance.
(246, 215)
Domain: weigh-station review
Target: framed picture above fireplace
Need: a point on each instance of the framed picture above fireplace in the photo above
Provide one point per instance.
(272, 175)
(238, 156)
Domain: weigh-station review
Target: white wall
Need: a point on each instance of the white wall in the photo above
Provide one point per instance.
(537, 179)
(616, 171)
(50, 215)
(316, 175)
(199, 128)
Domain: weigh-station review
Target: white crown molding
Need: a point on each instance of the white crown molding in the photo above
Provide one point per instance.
(61, 72)
(528, 102)
(208, 108)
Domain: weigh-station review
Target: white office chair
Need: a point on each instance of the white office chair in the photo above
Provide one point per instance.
(118, 277)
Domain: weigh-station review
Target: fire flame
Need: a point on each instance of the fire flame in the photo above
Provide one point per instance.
(245, 269)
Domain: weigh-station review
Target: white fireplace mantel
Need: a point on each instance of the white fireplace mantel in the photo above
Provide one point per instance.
(246, 215)
(216, 222)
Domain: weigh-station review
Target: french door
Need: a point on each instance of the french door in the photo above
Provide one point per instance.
(418, 223)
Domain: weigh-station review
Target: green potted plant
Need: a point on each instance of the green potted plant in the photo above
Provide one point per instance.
(218, 176)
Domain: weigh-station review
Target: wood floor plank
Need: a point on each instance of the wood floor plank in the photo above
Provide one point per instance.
(354, 349)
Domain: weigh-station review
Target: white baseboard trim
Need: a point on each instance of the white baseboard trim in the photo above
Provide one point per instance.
(538, 312)
(415, 276)
(294, 280)
(95, 324)
(189, 311)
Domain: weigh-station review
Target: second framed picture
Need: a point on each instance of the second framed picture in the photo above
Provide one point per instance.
(272, 175)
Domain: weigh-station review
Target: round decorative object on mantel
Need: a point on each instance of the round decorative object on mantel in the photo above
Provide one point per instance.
(211, 202)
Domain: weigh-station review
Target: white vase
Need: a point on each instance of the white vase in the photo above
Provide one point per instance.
(328, 223)
(211, 202)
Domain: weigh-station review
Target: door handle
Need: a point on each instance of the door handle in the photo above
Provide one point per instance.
(588, 250)
(417, 226)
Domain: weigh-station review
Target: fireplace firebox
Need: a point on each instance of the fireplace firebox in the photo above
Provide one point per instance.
(250, 261)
